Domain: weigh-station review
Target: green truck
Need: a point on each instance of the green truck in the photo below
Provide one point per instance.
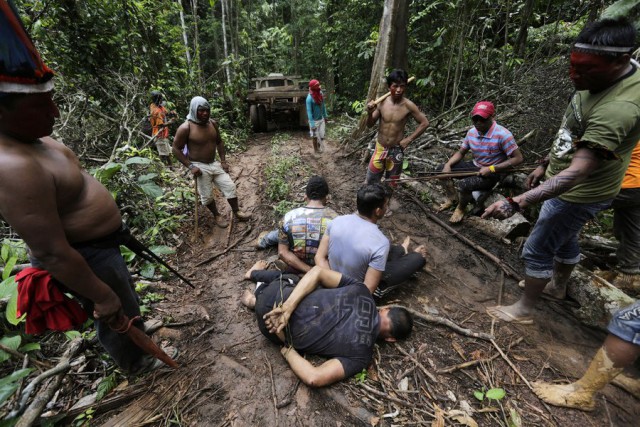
(277, 100)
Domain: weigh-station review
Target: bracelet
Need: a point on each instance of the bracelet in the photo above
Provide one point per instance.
(514, 204)
(492, 168)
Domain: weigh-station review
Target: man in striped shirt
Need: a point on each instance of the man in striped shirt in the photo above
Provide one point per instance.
(494, 151)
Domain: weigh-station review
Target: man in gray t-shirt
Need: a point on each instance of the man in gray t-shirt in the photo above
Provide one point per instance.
(354, 245)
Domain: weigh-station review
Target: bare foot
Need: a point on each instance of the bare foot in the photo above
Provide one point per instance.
(259, 265)
(445, 205)
(248, 299)
(406, 243)
(457, 216)
(510, 313)
(422, 250)
(566, 395)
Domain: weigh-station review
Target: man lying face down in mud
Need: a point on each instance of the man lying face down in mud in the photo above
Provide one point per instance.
(338, 320)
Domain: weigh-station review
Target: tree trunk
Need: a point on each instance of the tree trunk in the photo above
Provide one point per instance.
(227, 72)
(400, 38)
(184, 35)
(521, 41)
(384, 56)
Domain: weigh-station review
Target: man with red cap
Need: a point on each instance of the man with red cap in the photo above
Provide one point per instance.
(317, 114)
(494, 152)
(586, 164)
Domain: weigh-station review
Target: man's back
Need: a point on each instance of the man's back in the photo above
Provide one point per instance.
(356, 244)
(302, 228)
(339, 323)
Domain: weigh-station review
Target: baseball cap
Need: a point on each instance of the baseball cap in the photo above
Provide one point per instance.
(483, 109)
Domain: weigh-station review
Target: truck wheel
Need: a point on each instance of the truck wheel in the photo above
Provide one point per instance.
(262, 118)
(253, 115)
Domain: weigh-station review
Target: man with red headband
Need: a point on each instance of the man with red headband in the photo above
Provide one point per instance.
(494, 152)
(393, 114)
(586, 164)
(317, 114)
(69, 220)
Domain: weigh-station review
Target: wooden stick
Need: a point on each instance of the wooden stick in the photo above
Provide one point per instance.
(211, 258)
(37, 406)
(445, 322)
(470, 363)
(517, 371)
(504, 266)
(273, 388)
(195, 188)
(229, 229)
(386, 95)
(417, 362)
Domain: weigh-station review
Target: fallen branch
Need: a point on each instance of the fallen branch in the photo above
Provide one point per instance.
(230, 230)
(517, 371)
(287, 400)
(386, 396)
(417, 362)
(477, 361)
(273, 388)
(211, 258)
(504, 266)
(446, 322)
(40, 401)
(18, 355)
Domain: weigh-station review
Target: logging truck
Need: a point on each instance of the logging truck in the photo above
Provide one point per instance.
(277, 100)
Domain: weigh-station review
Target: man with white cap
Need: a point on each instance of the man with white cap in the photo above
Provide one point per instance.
(494, 152)
(202, 138)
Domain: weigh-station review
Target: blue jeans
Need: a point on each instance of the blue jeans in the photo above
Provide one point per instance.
(625, 324)
(626, 227)
(555, 235)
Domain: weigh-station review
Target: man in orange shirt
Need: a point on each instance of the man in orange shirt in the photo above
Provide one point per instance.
(158, 116)
(626, 227)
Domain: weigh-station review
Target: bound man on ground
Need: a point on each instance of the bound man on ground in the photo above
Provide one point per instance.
(56, 207)
(586, 163)
(301, 229)
(326, 314)
(393, 114)
(201, 136)
(354, 246)
(494, 152)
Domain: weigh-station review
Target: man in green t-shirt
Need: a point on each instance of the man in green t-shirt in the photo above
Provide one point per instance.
(586, 164)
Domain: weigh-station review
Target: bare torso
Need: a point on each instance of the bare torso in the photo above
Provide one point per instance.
(86, 210)
(393, 118)
(201, 140)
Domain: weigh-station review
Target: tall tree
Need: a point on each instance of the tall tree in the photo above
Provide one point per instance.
(393, 26)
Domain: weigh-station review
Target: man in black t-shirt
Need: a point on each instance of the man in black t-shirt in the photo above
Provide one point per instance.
(339, 321)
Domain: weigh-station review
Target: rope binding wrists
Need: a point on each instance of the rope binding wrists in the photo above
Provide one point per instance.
(515, 205)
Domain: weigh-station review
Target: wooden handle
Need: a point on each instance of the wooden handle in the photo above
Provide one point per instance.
(383, 97)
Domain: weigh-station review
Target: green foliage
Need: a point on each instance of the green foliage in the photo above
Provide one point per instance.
(491, 394)
(360, 377)
(10, 383)
(11, 342)
(84, 419)
(105, 386)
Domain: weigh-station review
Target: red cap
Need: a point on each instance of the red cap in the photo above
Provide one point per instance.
(314, 84)
(484, 109)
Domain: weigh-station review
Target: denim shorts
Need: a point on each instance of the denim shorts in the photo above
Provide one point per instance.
(625, 324)
(555, 235)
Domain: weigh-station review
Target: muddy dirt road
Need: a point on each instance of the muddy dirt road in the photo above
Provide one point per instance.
(231, 376)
